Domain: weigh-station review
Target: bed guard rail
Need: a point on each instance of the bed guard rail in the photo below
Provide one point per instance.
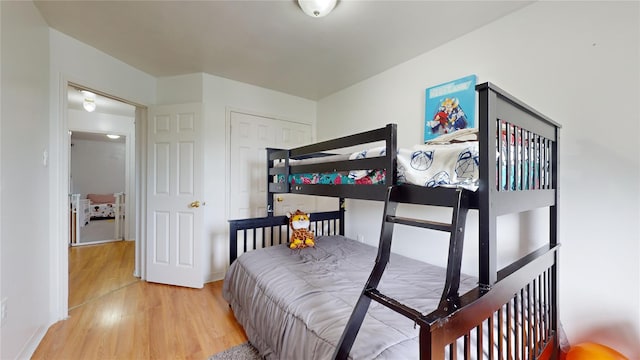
(250, 234)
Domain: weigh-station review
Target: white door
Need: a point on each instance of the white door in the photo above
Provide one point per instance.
(175, 170)
(250, 136)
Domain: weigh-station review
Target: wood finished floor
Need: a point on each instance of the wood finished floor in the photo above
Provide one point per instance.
(141, 320)
(95, 270)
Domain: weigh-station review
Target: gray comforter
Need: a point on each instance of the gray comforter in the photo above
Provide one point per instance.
(294, 304)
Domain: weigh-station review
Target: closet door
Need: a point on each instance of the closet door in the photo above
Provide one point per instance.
(250, 136)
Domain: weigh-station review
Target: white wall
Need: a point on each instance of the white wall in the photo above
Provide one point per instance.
(96, 122)
(24, 240)
(97, 167)
(220, 96)
(578, 63)
(36, 64)
(71, 60)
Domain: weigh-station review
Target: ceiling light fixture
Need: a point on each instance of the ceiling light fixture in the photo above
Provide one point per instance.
(113, 136)
(317, 8)
(89, 100)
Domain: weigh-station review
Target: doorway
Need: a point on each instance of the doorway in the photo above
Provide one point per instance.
(97, 184)
(101, 183)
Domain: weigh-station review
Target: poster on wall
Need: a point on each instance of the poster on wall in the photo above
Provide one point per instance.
(449, 107)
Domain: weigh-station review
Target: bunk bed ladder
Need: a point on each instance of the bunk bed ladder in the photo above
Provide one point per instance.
(450, 296)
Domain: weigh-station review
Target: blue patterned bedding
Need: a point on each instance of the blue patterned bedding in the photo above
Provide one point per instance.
(372, 177)
(430, 165)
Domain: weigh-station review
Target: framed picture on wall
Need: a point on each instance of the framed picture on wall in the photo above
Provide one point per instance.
(449, 107)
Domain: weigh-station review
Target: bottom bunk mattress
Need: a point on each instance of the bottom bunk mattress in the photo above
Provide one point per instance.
(295, 304)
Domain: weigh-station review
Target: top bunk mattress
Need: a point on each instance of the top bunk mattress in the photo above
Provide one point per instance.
(295, 303)
(430, 165)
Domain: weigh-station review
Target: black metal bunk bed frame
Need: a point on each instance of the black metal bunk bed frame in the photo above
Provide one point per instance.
(516, 305)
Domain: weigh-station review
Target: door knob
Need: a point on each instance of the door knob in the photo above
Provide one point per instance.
(195, 204)
(279, 199)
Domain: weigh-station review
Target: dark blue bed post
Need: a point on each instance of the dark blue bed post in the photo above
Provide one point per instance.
(487, 272)
(342, 206)
(276, 187)
(270, 208)
(269, 193)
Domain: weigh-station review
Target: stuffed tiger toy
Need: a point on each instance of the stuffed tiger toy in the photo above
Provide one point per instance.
(301, 237)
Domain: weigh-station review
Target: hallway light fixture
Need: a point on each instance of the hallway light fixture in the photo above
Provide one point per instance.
(317, 8)
(89, 100)
(113, 136)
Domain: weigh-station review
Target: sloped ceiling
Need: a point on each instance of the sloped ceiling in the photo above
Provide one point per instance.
(272, 44)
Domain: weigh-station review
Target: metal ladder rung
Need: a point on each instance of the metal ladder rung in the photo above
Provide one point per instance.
(393, 304)
(434, 225)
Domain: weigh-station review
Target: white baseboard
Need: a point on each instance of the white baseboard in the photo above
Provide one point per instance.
(32, 344)
(215, 276)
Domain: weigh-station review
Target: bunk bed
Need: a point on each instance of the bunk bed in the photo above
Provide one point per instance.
(323, 303)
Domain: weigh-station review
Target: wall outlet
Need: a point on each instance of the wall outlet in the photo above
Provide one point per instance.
(3, 311)
(360, 238)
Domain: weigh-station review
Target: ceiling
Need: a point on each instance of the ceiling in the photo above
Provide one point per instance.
(271, 44)
(104, 104)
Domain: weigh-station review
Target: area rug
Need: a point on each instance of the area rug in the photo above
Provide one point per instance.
(240, 352)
